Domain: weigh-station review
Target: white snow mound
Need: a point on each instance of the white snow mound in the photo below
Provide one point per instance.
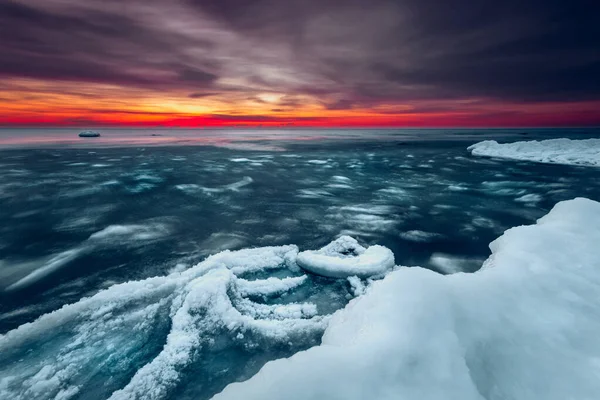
(554, 151)
(523, 327)
(344, 258)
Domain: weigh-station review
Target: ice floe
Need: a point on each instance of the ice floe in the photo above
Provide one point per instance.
(529, 198)
(554, 151)
(234, 187)
(344, 258)
(364, 219)
(420, 236)
(132, 233)
(523, 327)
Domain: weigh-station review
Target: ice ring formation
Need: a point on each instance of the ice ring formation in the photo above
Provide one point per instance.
(345, 257)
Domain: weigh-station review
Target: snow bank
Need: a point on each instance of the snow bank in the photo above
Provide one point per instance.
(555, 151)
(523, 327)
(344, 258)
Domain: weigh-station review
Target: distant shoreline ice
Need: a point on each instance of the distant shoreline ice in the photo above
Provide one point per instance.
(554, 151)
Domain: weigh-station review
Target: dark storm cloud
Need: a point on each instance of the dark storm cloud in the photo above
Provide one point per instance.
(89, 45)
(345, 53)
(343, 104)
(518, 50)
(196, 76)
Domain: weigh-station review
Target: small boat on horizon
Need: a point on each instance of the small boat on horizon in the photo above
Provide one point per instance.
(89, 134)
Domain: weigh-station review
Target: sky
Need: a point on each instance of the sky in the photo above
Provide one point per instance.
(304, 63)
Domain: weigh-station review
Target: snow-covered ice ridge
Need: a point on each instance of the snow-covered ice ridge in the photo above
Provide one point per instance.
(135, 340)
(523, 327)
(554, 151)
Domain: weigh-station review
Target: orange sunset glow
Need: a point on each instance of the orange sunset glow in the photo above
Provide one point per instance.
(257, 64)
(36, 103)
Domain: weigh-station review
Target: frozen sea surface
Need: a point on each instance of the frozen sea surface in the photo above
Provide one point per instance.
(118, 232)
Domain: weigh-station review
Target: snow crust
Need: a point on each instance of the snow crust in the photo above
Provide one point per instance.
(345, 257)
(554, 151)
(523, 327)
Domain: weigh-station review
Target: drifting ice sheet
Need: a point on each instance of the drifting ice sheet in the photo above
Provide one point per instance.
(555, 151)
(524, 327)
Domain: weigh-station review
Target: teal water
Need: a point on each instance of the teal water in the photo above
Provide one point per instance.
(81, 215)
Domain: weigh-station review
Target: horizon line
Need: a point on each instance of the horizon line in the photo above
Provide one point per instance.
(254, 127)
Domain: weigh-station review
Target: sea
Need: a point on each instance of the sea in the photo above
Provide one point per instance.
(100, 239)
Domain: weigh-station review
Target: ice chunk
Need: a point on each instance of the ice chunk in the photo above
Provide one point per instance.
(529, 198)
(420, 236)
(237, 185)
(253, 260)
(554, 151)
(276, 311)
(189, 188)
(344, 245)
(131, 232)
(345, 257)
(233, 187)
(523, 327)
(364, 219)
(269, 286)
(357, 286)
(220, 241)
(339, 178)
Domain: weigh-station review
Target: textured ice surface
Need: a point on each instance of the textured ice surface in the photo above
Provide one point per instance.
(159, 327)
(524, 327)
(553, 151)
(344, 258)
